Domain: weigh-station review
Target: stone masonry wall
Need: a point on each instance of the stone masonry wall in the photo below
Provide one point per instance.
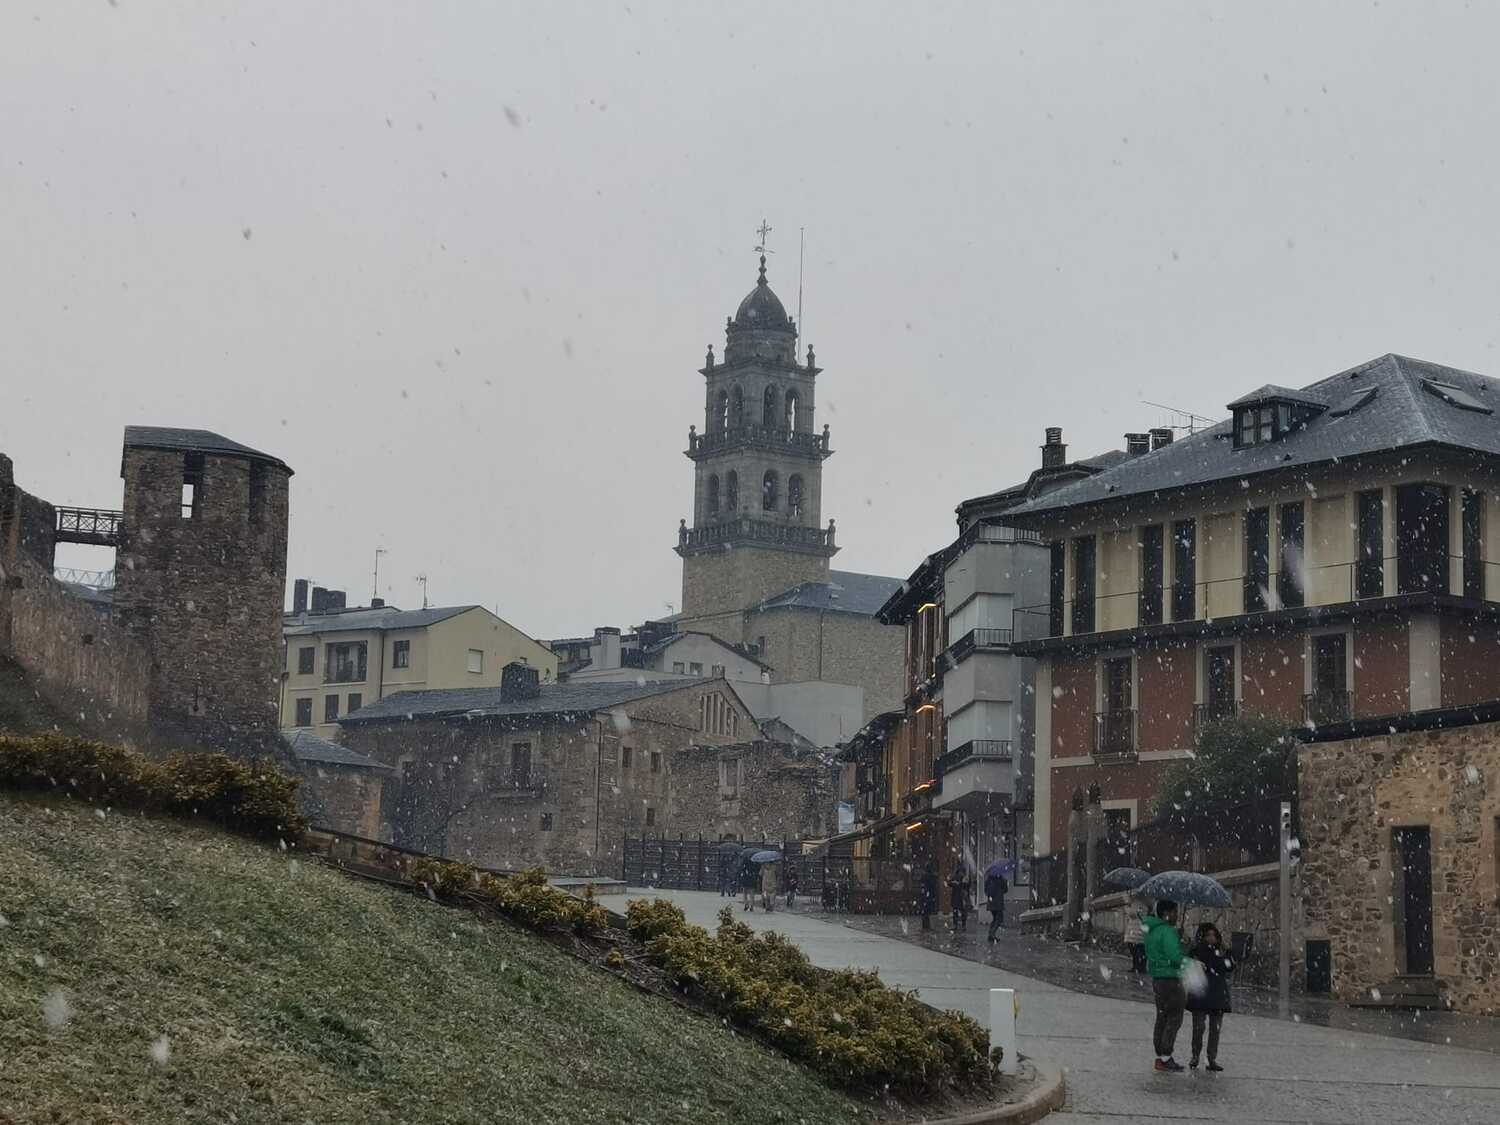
(1353, 794)
(451, 792)
(844, 648)
(725, 581)
(779, 795)
(344, 798)
(205, 594)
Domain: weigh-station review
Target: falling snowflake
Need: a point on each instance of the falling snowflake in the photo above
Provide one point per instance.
(1471, 774)
(161, 1051)
(56, 1010)
(1106, 972)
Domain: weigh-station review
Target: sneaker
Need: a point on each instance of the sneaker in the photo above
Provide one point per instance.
(1215, 1067)
(1193, 1062)
(1168, 1065)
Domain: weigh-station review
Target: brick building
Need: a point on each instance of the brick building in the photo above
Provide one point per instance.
(1326, 554)
(530, 774)
(755, 562)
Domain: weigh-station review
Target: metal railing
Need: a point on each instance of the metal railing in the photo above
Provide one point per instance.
(1114, 733)
(527, 782)
(95, 579)
(1331, 584)
(985, 638)
(1205, 713)
(976, 749)
(1328, 706)
(96, 526)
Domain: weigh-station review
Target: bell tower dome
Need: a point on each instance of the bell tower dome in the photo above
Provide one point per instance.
(758, 467)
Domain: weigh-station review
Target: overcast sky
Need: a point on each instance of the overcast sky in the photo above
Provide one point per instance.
(457, 263)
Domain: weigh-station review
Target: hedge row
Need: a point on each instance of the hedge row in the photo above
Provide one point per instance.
(253, 798)
(525, 898)
(847, 1025)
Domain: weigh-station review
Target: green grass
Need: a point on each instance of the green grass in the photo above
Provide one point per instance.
(289, 993)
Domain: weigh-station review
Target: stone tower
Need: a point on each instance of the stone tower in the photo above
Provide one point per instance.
(200, 577)
(758, 468)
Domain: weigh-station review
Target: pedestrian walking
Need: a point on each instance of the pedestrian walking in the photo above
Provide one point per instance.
(958, 889)
(768, 886)
(793, 878)
(749, 877)
(996, 887)
(1164, 961)
(1135, 937)
(1210, 1007)
(927, 894)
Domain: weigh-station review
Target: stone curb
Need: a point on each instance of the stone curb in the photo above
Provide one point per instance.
(1048, 1096)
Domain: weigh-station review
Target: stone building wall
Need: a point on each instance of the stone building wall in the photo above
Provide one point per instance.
(772, 793)
(843, 648)
(450, 792)
(1353, 795)
(346, 798)
(728, 581)
(205, 594)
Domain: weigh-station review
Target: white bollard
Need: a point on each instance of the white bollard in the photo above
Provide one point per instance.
(1003, 1006)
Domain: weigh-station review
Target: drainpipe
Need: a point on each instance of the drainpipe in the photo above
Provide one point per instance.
(598, 777)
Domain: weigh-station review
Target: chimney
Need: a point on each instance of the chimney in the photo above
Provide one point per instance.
(605, 651)
(1054, 452)
(335, 600)
(519, 681)
(299, 596)
(1136, 444)
(319, 600)
(377, 603)
(1160, 436)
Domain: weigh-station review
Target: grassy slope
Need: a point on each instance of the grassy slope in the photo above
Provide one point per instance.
(292, 994)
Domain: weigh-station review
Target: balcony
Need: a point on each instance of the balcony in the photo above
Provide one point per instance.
(978, 777)
(715, 536)
(981, 640)
(1206, 713)
(1114, 734)
(1327, 706)
(760, 437)
(522, 783)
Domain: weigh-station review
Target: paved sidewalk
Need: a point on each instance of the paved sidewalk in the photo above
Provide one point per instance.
(1277, 1071)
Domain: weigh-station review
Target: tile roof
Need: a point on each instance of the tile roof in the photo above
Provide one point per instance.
(568, 698)
(1403, 413)
(385, 619)
(308, 747)
(845, 592)
(193, 441)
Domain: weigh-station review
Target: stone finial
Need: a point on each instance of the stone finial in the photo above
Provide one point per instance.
(762, 280)
(812, 360)
(710, 361)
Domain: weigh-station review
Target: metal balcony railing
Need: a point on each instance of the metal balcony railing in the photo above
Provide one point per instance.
(524, 783)
(977, 749)
(989, 639)
(1205, 713)
(1114, 733)
(1328, 706)
(96, 526)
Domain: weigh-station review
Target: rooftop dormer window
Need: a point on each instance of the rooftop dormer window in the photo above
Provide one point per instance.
(1270, 417)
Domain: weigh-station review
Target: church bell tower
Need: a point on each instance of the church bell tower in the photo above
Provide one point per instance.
(757, 525)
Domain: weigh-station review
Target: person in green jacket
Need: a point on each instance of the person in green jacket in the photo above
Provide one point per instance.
(1164, 959)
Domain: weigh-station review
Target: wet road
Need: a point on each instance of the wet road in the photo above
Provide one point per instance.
(1276, 1071)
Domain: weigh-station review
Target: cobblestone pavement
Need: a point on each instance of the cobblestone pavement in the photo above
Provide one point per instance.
(1277, 1071)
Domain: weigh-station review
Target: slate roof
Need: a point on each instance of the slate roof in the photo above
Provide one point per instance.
(571, 698)
(308, 747)
(1402, 414)
(845, 592)
(385, 619)
(1270, 391)
(193, 441)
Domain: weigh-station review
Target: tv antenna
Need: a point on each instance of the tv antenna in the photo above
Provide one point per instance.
(422, 578)
(801, 254)
(1193, 420)
(376, 589)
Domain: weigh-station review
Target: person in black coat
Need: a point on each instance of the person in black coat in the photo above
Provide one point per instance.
(927, 899)
(1210, 1006)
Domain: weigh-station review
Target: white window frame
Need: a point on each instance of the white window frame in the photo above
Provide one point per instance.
(476, 666)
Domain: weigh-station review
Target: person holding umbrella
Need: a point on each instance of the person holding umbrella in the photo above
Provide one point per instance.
(1164, 961)
(749, 877)
(1210, 1006)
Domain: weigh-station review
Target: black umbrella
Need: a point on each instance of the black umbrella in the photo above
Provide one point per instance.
(1186, 887)
(746, 853)
(1125, 878)
(730, 846)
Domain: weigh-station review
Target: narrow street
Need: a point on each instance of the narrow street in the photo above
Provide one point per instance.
(1276, 1071)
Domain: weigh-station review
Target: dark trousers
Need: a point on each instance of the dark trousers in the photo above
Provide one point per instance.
(997, 915)
(1138, 958)
(927, 921)
(1171, 999)
(1215, 1020)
